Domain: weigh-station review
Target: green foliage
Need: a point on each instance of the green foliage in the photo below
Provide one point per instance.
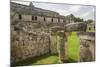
(89, 21)
(71, 17)
(73, 47)
(75, 19)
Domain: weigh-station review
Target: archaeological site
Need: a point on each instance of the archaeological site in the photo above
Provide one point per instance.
(43, 34)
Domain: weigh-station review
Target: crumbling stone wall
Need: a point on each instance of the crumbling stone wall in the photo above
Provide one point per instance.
(26, 43)
(87, 46)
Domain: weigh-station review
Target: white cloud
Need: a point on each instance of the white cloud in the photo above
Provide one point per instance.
(75, 8)
(63, 12)
(89, 14)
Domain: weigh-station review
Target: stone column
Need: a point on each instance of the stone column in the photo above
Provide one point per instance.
(62, 52)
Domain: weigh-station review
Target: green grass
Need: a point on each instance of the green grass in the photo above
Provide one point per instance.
(73, 47)
(44, 59)
(48, 60)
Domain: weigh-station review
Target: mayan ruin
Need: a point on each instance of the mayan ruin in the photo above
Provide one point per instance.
(37, 32)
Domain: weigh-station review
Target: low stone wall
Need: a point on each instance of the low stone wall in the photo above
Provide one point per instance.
(87, 46)
(25, 45)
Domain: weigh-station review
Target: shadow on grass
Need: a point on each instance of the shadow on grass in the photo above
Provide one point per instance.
(30, 61)
(69, 60)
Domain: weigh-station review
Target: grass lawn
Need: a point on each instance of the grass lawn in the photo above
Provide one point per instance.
(49, 60)
(44, 59)
(73, 47)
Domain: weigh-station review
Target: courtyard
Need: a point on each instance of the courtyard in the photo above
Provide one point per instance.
(73, 54)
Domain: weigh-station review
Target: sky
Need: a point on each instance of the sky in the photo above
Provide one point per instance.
(82, 11)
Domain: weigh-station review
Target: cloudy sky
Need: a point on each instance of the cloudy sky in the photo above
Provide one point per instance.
(82, 11)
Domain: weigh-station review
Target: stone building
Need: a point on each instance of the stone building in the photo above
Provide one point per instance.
(20, 12)
(91, 26)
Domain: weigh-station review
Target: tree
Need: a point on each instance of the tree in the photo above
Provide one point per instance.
(75, 19)
(71, 17)
(89, 21)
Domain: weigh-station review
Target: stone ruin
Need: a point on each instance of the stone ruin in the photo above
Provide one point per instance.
(26, 45)
(62, 46)
(31, 38)
(87, 46)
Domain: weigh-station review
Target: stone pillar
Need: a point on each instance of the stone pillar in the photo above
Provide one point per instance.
(53, 43)
(62, 52)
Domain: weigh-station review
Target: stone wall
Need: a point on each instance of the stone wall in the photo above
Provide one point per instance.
(26, 44)
(87, 46)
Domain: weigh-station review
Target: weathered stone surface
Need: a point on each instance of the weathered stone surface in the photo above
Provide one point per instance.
(62, 46)
(87, 46)
(80, 26)
(26, 44)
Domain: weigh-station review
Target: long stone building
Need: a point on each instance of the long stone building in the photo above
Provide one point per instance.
(21, 12)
